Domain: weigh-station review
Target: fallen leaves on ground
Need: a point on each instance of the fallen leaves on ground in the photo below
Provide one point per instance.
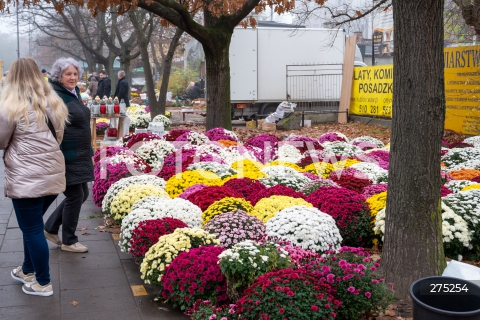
(82, 229)
(74, 303)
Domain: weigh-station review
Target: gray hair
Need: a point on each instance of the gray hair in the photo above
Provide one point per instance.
(61, 65)
(121, 73)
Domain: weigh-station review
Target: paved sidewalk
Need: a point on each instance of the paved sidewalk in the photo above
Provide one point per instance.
(99, 284)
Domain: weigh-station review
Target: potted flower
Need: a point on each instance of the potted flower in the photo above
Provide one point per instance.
(101, 127)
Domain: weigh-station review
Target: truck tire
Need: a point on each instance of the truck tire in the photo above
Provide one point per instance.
(268, 108)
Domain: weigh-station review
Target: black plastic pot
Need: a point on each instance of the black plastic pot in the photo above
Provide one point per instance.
(445, 298)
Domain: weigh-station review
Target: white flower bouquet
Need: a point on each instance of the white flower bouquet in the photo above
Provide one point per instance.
(285, 176)
(139, 120)
(126, 182)
(136, 109)
(306, 227)
(154, 151)
(163, 119)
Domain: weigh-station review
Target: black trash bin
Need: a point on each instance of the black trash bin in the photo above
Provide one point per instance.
(445, 298)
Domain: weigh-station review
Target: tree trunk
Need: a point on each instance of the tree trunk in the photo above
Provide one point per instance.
(109, 70)
(413, 246)
(167, 67)
(218, 79)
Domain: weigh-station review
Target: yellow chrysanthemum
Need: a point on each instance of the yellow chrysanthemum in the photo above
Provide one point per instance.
(177, 184)
(247, 168)
(226, 205)
(376, 203)
(168, 247)
(344, 164)
(471, 187)
(267, 208)
(125, 199)
(284, 163)
(320, 168)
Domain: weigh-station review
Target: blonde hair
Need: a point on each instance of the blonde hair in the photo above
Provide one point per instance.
(26, 86)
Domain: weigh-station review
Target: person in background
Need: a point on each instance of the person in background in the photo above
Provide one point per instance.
(32, 122)
(104, 85)
(189, 90)
(123, 89)
(196, 91)
(78, 153)
(94, 75)
(45, 75)
(93, 86)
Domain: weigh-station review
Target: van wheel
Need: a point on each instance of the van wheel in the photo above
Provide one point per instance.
(269, 108)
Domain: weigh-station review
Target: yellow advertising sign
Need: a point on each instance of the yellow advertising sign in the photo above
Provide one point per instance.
(372, 91)
(462, 89)
(373, 87)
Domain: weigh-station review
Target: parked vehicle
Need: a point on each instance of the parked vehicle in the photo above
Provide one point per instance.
(269, 65)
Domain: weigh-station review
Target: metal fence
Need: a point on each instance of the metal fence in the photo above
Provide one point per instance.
(315, 87)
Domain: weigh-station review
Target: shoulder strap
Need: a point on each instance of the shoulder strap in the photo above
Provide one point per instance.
(52, 129)
(49, 124)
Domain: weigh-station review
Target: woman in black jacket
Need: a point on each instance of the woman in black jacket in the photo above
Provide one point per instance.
(77, 151)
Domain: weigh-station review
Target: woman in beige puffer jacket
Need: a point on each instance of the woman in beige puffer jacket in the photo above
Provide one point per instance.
(32, 120)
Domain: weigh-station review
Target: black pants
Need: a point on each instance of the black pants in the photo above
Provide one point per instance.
(67, 213)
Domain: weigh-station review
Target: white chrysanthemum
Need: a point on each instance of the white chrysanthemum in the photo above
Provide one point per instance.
(212, 148)
(130, 222)
(469, 164)
(379, 227)
(475, 141)
(136, 109)
(221, 170)
(466, 204)
(288, 153)
(285, 176)
(457, 156)
(197, 138)
(368, 139)
(236, 153)
(123, 183)
(455, 227)
(458, 185)
(163, 119)
(340, 148)
(373, 171)
(154, 151)
(177, 208)
(139, 120)
(309, 228)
